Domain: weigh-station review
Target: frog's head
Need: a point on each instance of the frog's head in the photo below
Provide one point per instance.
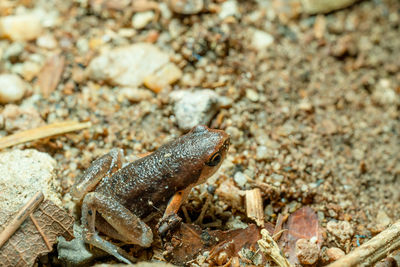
(212, 146)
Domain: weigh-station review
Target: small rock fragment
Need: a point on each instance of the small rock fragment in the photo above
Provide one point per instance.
(134, 94)
(169, 74)
(47, 41)
(324, 6)
(196, 107)
(228, 9)
(261, 40)
(306, 251)
(17, 118)
(384, 93)
(186, 7)
(20, 27)
(127, 66)
(341, 229)
(263, 153)
(334, 254)
(141, 19)
(12, 88)
(14, 51)
(75, 252)
(252, 95)
(240, 178)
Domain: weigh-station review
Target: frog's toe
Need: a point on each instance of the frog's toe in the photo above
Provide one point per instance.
(146, 239)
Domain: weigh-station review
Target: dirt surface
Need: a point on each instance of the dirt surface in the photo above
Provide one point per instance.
(314, 111)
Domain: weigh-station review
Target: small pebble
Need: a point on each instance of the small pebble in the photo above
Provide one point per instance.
(12, 88)
(20, 27)
(252, 95)
(228, 9)
(261, 40)
(306, 251)
(167, 75)
(13, 51)
(16, 118)
(334, 254)
(186, 7)
(324, 6)
(47, 41)
(341, 229)
(141, 19)
(196, 107)
(240, 178)
(262, 153)
(128, 65)
(134, 94)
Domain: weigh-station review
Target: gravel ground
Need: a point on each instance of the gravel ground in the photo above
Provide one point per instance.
(311, 102)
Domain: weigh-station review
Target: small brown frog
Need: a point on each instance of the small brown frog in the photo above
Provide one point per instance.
(123, 196)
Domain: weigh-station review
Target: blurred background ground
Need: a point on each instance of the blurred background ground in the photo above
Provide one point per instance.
(311, 101)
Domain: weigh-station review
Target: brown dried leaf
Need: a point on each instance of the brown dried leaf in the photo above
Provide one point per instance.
(50, 74)
(27, 243)
(189, 241)
(303, 223)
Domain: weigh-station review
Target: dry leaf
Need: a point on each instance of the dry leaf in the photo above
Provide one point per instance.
(303, 223)
(189, 241)
(50, 74)
(29, 242)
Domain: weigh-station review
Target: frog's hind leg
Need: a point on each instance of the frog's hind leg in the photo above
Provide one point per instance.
(131, 227)
(101, 167)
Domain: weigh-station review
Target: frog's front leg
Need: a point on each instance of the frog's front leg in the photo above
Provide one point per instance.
(128, 225)
(104, 166)
(170, 218)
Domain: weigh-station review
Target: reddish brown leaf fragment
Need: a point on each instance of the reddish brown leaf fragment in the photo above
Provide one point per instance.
(190, 240)
(50, 74)
(27, 243)
(303, 223)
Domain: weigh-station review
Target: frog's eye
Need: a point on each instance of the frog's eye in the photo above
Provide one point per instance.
(214, 160)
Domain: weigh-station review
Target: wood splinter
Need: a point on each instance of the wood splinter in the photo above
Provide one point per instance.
(254, 206)
(16, 222)
(373, 250)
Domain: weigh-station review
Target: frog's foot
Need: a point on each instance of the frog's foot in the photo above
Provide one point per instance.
(123, 221)
(110, 248)
(168, 223)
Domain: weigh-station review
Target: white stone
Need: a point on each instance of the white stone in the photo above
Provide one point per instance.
(252, 95)
(20, 27)
(12, 88)
(240, 178)
(127, 66)
(141, 19)
(261, 40)
(23, 173)
(228, 8)
(196, 107)
(47, 41)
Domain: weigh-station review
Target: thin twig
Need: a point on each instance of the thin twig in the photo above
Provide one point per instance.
(373, 250)
(40, 231)
(42, 132)
(16, 222)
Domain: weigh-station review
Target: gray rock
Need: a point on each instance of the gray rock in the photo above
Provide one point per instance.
(12, 88)
(76, 252)
(127, 66)
(192, 108)
(24, 173)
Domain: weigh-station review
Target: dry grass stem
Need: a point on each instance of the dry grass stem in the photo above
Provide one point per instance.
(373, 250)
(42, 132)
(271, 250)
(16, 222)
